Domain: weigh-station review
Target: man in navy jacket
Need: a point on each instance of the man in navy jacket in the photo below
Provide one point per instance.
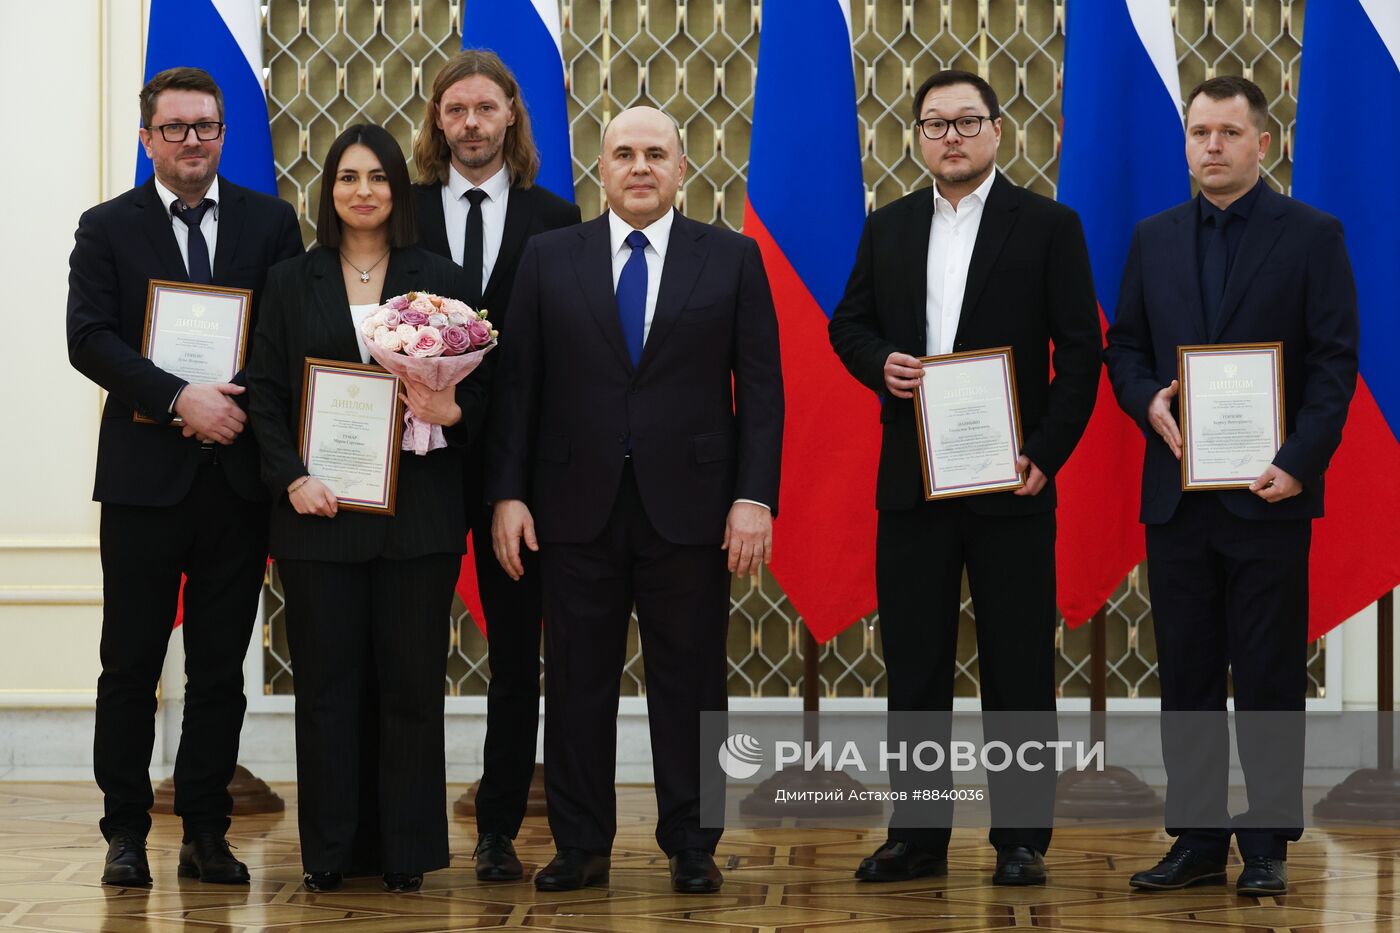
(1229, 569)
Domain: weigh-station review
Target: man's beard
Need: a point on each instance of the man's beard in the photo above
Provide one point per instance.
(965, 172)
(484, 157)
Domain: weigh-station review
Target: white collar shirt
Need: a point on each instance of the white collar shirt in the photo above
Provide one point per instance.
(658, 234)
(456, 207)
(209, 225)
(950, 243)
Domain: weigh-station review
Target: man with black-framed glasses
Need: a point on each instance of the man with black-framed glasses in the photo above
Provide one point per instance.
(180, 499)
(973, 263)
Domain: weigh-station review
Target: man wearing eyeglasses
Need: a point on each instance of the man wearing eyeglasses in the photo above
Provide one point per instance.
(973, 263)
(176, 499)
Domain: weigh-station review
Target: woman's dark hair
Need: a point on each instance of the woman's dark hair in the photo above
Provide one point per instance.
(403, 226)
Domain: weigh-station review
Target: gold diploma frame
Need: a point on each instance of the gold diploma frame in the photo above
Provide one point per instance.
(969, 424)
(1232, 418)
(351, 430)
(196, 332)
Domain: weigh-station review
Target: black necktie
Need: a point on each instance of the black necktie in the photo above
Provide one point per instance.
(474, 249)
(1215, 258)
(196, 248)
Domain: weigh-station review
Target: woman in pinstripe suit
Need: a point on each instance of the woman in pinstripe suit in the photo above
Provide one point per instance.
(368, 596)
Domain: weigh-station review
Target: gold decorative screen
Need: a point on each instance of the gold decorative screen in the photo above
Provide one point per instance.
(331, 63)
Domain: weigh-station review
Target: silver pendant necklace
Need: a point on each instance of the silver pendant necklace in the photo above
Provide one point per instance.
(364, 273)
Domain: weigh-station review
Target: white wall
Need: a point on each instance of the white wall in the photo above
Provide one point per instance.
(62, 158)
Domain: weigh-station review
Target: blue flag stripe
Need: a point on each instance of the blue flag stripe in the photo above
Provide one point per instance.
(191, 33)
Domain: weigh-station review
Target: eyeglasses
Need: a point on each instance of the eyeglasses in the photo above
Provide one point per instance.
(179, 132)
(937, 128)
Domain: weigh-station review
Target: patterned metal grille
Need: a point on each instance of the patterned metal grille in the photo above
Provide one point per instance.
(334, 62)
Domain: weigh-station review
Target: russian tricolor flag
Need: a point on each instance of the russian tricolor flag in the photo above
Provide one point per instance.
(224, 37)
(1351, 59)
(806, 205)
(526, 34)
(1120, 84)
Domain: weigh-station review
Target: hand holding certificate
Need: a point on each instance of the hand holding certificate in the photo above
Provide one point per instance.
(969, 424)
(196, 332)
(1232, 419)
(351, 430)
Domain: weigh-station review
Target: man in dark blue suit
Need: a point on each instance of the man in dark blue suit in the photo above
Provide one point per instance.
(1229, 569)
(636, 437)
(175, 500)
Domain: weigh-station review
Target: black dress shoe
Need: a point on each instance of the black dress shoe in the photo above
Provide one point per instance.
(397, 882)
(1180, 868)
(322, 881)
(571, 869)
(126, 861)
(207, 858)
(496, 859)
(901, 861)
(1263, 876)
(693, 871)
(1017, 865)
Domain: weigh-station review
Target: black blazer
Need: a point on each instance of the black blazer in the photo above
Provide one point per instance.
(528, 211)
(1291, 281)
(119, 247)
(703, 409)
(306, 313)
(1028, 285)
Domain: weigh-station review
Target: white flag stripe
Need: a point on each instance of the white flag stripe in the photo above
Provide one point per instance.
(549, 15)
(242, 17)
(1385, 16)
(1153, 21)
(846, 12)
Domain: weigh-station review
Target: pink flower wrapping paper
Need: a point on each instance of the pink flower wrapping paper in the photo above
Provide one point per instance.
(399, 338)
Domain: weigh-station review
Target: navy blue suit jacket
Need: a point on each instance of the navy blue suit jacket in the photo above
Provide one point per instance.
(1291, 282)
(702, 410)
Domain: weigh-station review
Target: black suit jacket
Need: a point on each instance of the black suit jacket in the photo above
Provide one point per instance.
(702, 411)
(119, 247)
(1291, 281)
(306, 313)
(1028, 285)
(528, 211)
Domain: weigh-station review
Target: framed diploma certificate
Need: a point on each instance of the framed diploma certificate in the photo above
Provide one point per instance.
(1231, 413)
(351, 431)
(196, 332)
(969, 424)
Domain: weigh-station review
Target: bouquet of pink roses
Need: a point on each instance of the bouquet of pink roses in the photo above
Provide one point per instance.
(432, 340)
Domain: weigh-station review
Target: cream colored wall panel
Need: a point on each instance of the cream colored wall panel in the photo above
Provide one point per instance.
(49, 647)
(50, 442)
(30, 565)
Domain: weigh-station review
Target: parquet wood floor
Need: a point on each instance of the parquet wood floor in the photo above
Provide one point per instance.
(786, 880)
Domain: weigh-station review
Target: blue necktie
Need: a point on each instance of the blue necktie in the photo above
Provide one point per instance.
(1215, 266)
(197, 248)
(632, 295)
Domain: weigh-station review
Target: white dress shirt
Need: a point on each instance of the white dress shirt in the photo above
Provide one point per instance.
(455, 208)
(358, 313)
(950, 243)
(209, 225)
(658, 234)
